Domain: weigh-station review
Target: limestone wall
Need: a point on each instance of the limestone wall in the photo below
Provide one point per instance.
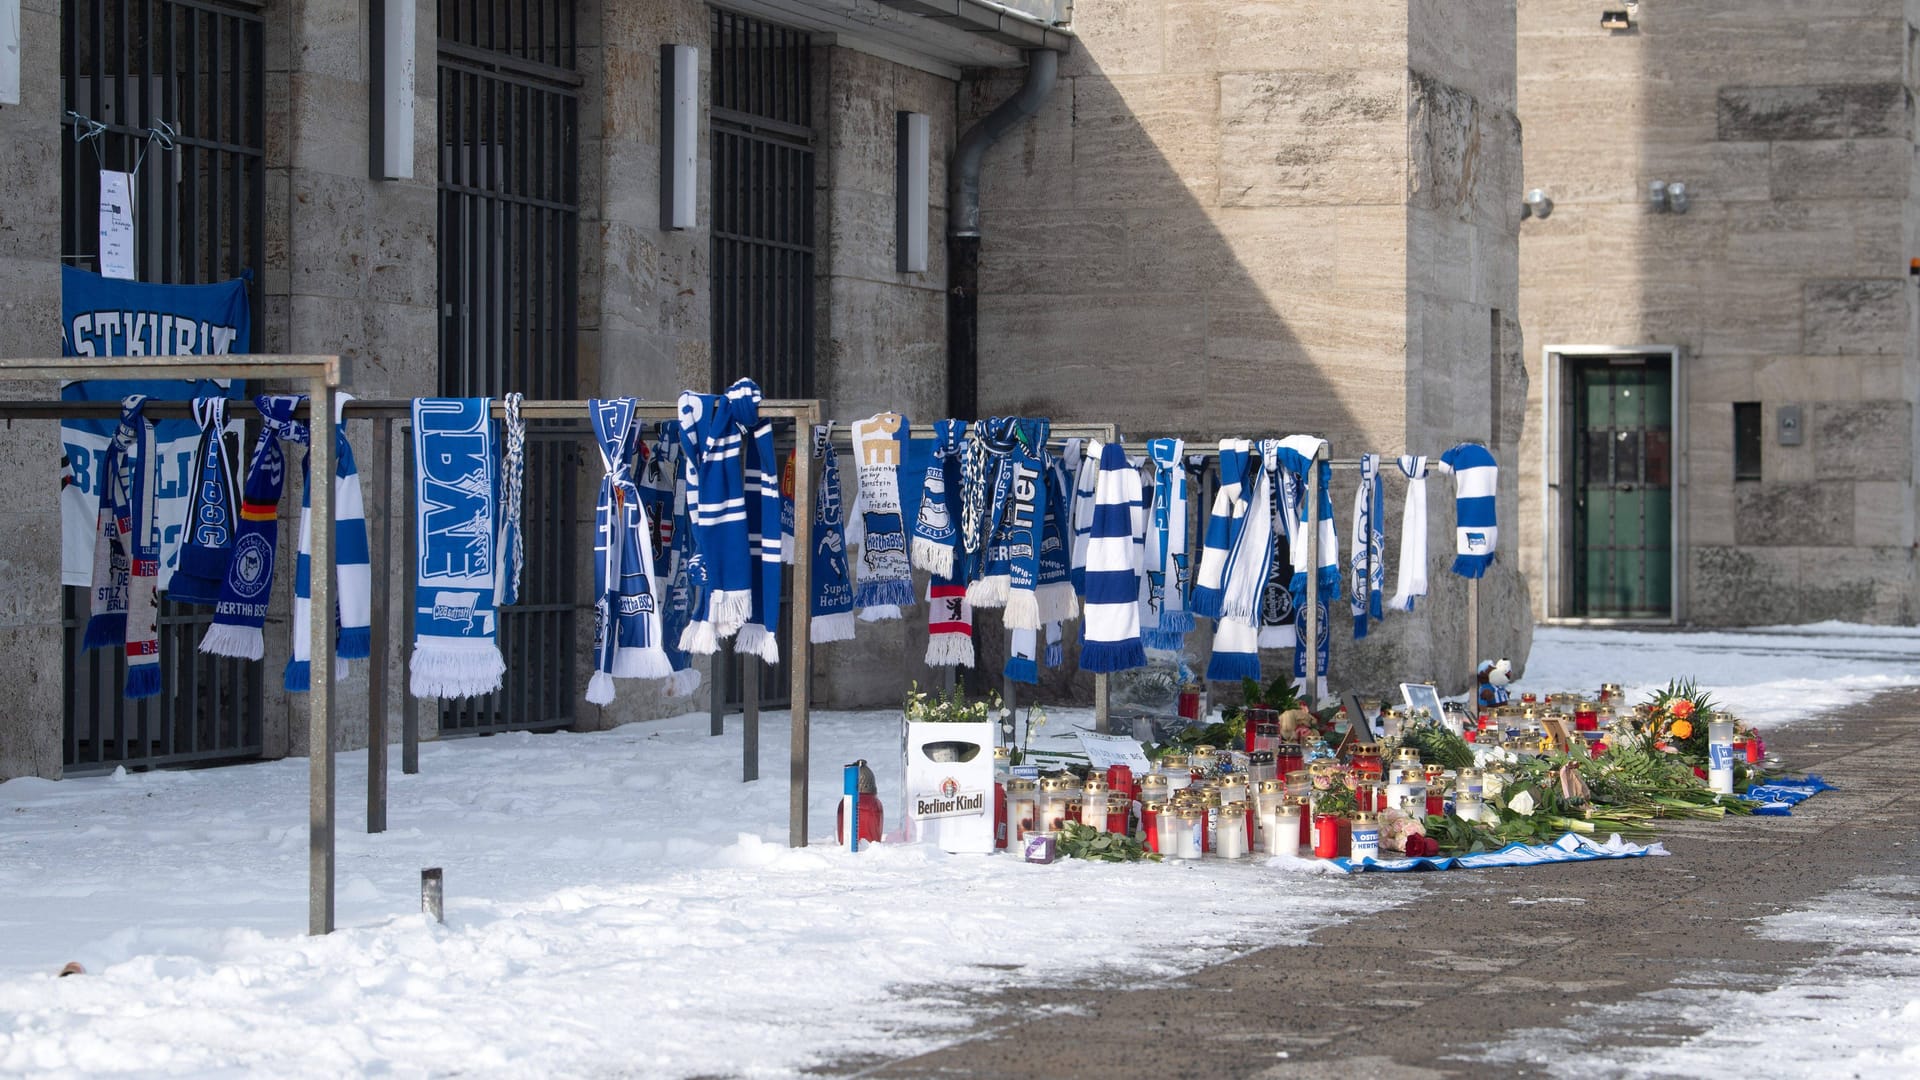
(1785, 283)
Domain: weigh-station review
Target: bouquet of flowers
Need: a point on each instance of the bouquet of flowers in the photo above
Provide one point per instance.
(951, 707)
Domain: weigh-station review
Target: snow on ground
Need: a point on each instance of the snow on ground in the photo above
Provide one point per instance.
(1851, 1013)
(1769, 676)
(615, 902)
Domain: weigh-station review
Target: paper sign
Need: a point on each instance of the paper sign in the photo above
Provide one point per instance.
(1105, 750)
(116, 224)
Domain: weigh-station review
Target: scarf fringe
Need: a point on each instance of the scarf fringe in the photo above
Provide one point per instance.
(239, 642)
(1469, 566)
(884, 592)
(189, 588)
(1022, 611)
(1233, 666)
(1162, 638)
(600, 689)
(830, 628)
(354, 643)
(648, 663)
(1058, 601)
(298, 678)
(729, 611)
(990, 591)
(1206, 601)
(700, 638)
(933, 557)
(461, 671)
(1023, 668)
(1110, 656)
(683, 682)
(106, 630)
(757, 640)
(879, 613)
(143, 680)
(950, 650)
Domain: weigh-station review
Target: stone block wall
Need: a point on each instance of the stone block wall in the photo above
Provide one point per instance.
(1258, 219)
(1785, 283)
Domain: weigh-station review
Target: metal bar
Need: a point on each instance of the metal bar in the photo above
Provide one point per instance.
(750, 717)
(1473, 631)
(320, 773)
(409, 705)
(379, 635)
(1102, 723)
(722, 669)
(800, 653)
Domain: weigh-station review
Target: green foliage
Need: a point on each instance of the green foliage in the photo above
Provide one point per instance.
(950, 708)
(1438, 746)
(1086, 842)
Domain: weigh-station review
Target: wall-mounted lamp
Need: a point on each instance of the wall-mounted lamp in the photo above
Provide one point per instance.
(913, 159)
(1664, 196)
(679, 135)
(1537, 204)
(390, 110)
(9, 52)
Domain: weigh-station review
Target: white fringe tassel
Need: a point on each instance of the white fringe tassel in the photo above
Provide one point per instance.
(443, 671)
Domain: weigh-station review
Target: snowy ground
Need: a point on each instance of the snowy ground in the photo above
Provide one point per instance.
(616, 902)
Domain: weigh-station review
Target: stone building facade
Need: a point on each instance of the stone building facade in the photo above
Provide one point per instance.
(1779, 307)
(1226, 219)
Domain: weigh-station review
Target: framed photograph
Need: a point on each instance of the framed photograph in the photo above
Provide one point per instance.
(1561, 729)
(1423, 696)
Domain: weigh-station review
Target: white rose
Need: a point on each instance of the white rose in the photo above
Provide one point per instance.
(1522, 804)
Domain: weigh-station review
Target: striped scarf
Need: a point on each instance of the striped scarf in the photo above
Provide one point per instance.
(353, 570)
(1085, 469)
(1110, 633)
(126, 561)
(1167, 549)
(1295, 454)
(244, 595)
(626, 618)
(680, 593)
(1024, 522)
(1224, 524)
(213, 509)
(1369, 545)
(1476, 532)
(1410, 583)
(766, 513)
(721, 565)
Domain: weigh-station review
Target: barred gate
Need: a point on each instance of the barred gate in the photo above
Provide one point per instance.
(194, 65)
(509, 268)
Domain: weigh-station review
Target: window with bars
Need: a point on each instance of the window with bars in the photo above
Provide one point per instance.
(192, 71)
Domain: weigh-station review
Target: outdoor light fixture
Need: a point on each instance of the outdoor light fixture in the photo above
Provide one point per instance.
(9, 52)
(1664, 196)
(1536, 205)
(913, 157)
(390, 112)
(679, 134)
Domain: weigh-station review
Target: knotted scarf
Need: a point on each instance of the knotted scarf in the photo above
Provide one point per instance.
(722, 563)
(213, 509)
(1369, 545)
(626, 617)
(455, 623)
(353, 570)
(1476, 480)
(765, 525)
(1024, 522)
(242, 608)
(1278, 612)
(1110, 633)
(1410, 583)
(832, 589)
(126, 561)
(1224, 524)
(1167, 548)
(1296, 455)
(988, 496)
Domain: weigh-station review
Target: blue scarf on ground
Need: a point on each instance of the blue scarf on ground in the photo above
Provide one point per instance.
(244, 596)
(456, 459)
(213, 511)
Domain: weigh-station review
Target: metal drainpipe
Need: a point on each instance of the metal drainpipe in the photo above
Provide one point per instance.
(963, 230)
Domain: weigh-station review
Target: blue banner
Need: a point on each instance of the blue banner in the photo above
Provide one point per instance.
(110, 317)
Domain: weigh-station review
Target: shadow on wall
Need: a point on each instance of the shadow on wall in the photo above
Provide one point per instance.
(1226, 254)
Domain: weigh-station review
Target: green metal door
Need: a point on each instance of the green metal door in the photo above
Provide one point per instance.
(1622, 484)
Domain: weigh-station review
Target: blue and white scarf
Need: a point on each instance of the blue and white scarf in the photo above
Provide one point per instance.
(766, 529)
(1024, 521)
(1476, 480)
(512, 556)
(989, 492)
(1323, 640)
(832, 588)
(1279, 615)
(626, 615)
(1085, 470)
(1110, 633)
(244, 596)
(353, 570)
(213, 511)
(658, 478)
(1410, 583)
(722, 565)
(1237, 566)
(126, 566)
(1295, 454)
(884, 575)
(1058, 601)
(936, 528)
(1224, 524)
(681, 597)
(455, 654)
(1369, 545)
(1167, 548)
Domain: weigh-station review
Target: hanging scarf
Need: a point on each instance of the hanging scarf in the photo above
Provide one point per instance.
(1369, 545)
(1056, 644)
(1086, 471)
(722, 564)
(511, 557)
(680, 596)
(1058, 602)
(1167, 548)
(657, 476)
(884, 574)
(949, 624)
(242, 609)
(936, 528)
(1251, 556)
(1278, 612)
(1246, 607)
(1322, 640)
(832, 591)
(455, 654)
(1023, 656)
(1476, 479)
(1411, 582)
(1224, 523)
(626, 619)
(126, 575)
(765, 531)
(1024, 522)
(1110, 633)
(788, 484)
(353, 570)
(1295, 455)
(988, 496)
(212, 510)
(978, 469)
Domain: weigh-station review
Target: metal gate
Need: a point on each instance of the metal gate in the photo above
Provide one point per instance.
(192, 70)
(763, 233)
(1622, 484)
(509, 264)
